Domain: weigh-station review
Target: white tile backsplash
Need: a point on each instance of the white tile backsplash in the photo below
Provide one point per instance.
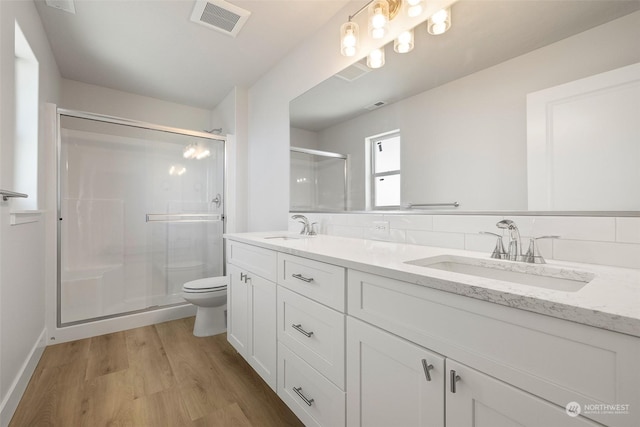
(466, 223)
(435, 238)
(410, 222)
(598, 240)
(606, 253)
(481, 242)
(628, 230)
(601, 229)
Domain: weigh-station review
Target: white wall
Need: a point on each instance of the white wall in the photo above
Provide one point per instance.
(101, 100)
(22, 253)
(231, 115)
(439, 155)
(303, 138)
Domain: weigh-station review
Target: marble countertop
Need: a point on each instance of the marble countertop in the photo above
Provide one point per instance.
(611, 300)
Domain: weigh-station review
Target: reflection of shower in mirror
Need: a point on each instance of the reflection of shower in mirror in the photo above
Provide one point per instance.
(318, 180)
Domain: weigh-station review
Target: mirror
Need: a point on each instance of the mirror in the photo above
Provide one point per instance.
(464, 103)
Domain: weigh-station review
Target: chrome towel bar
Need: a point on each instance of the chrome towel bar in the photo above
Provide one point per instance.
(426, 205)
(184, 217)
(6, 194)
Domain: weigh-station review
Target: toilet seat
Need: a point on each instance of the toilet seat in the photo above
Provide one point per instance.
(208, 284)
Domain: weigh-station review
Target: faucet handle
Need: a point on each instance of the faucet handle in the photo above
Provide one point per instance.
(498, 252)
(533, 255)
(312, 229)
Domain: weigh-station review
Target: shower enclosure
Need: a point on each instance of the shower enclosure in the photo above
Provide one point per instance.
(318, 180)
(140, 212)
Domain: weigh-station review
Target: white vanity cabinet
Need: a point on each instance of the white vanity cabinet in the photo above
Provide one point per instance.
(251, 325)
(361, 349)
(311, 339)
(391, 381)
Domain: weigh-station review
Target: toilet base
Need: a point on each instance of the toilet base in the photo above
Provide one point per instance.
(210, 321)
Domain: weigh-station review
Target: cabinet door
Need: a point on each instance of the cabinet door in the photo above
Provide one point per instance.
(387, 381)
(262, 346)
(482, 401)
(237, 310)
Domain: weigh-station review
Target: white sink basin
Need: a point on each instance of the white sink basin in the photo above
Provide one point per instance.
(542, 276)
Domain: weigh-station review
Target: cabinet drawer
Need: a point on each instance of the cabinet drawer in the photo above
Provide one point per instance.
(317, 280)
(314, 332)
(257, 260)
(557, 360)
(312, 397)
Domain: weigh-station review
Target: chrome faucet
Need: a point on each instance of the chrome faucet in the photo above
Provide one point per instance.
(515, 246)
(307, 229)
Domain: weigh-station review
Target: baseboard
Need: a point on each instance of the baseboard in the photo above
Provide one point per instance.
(19, 385)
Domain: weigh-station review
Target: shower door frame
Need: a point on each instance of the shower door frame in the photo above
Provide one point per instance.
(136, 124)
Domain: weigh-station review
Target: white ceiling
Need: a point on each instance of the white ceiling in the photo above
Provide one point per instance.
(483, 33)
(151, 48)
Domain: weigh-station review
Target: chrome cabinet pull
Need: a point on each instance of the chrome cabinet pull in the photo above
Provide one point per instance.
(301, 277)
(243, 277)
(426, 366)
(453, 379)
(298, 328)
(298, 391)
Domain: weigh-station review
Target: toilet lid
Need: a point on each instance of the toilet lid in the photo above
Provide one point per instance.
(208, 283)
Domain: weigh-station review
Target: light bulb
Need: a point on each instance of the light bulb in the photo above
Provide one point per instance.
(440, 16)
(439, 22)
(404, 42)
(377, 33)
(378, 20)
(414, 8)
(375, 59)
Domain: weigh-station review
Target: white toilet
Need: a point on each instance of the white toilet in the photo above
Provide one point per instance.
(210, 296)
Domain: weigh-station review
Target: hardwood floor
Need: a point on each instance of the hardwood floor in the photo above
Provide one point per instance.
(154, 376)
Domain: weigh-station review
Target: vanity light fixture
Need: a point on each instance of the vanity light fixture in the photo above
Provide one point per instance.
(439, 22)
(380, 13)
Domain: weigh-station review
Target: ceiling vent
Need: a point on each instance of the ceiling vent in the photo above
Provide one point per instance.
(220, 16)
(375, 105)
(353, 72)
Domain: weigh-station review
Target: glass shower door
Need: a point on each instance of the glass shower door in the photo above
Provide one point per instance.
(141, 213)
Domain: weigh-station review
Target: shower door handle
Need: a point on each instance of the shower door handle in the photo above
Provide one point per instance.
(217, 200)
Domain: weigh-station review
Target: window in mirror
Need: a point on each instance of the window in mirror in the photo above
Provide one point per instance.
(385, 167)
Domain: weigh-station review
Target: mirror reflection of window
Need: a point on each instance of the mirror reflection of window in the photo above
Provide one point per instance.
(385, 167)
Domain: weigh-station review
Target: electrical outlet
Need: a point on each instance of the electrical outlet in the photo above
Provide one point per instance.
(381, 228)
